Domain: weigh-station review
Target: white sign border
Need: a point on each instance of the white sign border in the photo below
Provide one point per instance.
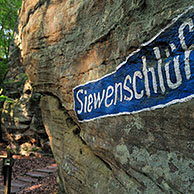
(121, 64)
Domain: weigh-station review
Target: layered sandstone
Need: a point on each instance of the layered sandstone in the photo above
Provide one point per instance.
(21, 120)
(67, 43)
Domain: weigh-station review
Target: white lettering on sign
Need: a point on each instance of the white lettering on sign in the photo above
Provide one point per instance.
(164, 75)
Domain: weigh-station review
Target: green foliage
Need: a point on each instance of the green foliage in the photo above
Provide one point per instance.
(3, 69)
(34, 149)
(22, 77)
(8, 18)
(4, 98)
(35, 97)
(18, 81)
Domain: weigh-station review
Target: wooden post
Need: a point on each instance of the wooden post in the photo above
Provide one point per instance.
(7, 170)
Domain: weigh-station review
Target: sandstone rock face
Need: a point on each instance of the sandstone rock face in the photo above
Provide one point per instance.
(21, 120)
(21, 123)
(67, 43)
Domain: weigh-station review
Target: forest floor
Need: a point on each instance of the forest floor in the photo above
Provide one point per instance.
(31, 175)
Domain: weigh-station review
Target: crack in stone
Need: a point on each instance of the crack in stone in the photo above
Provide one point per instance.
(105, 163)
(32, 11)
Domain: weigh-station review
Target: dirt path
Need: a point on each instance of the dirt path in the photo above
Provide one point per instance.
(31, 174)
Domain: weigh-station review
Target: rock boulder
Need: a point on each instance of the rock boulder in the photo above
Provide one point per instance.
(66, 43)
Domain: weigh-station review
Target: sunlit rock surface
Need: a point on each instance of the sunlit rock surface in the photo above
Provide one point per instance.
(67, 43)
(21, 120)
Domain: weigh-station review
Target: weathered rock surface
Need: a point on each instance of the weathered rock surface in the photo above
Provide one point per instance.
(21, 121)
(66, 43)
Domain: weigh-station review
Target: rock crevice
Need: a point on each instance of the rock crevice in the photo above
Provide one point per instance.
(67, 43)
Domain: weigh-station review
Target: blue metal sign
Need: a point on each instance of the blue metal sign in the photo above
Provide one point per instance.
(158, 74)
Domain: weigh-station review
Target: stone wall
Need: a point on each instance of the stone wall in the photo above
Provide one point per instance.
(67, 43)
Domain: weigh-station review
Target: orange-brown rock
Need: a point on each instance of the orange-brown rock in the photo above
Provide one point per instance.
(66, 43)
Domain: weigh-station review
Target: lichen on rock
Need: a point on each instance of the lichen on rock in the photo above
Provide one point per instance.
(67, 43)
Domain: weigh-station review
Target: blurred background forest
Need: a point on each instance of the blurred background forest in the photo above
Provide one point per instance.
(21, 128)
(8, 26)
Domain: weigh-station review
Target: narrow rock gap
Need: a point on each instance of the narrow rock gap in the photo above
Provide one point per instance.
(106, 163)
(146, 175)
(77, 131)
(121, 183)
(70, 122)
